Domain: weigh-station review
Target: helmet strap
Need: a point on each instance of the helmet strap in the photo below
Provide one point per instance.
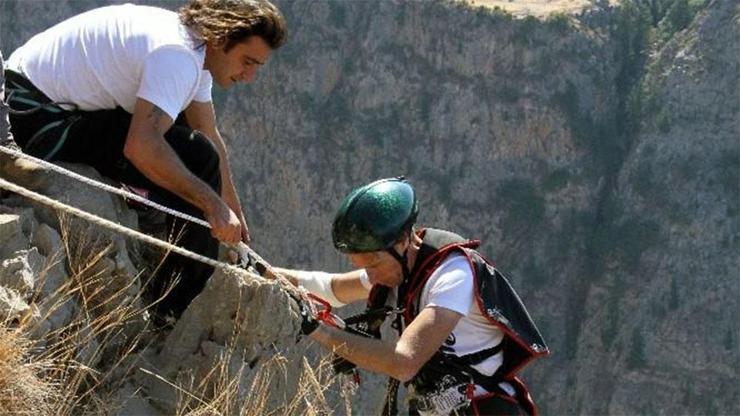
(403, 259)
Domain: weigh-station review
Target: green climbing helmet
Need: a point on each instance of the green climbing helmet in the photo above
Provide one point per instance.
(374, 216)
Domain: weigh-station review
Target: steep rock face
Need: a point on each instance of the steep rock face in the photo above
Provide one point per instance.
(677, 335)
(622, 240)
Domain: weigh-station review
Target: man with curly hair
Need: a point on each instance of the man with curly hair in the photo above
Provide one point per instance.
(127, 90)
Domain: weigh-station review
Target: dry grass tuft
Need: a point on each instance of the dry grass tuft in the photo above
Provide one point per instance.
(266, 394)
(23, 387)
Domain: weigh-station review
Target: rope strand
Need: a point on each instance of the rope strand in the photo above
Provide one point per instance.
(103, 186)
(120, 228)
(245, 252)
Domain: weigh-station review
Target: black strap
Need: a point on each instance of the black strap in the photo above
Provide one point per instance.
(369, 315)
(477, 357)
(461, 368)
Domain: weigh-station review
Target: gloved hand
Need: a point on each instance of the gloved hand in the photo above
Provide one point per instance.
(308, 322)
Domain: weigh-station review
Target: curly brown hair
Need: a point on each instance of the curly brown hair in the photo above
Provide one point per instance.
(232, 21)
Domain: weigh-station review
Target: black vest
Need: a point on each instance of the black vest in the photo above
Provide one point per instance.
(493, 294)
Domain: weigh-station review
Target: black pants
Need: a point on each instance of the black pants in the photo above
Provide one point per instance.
(97, 138)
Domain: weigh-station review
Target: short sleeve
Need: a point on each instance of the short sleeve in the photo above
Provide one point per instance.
(169, 79)
(450, 286)
(203, 94)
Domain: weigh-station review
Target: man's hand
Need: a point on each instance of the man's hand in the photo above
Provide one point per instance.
(229, 195)
(202, 117)
(225, 225)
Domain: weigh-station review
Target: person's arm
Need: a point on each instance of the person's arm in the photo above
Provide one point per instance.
(400, 360)
(345, 287)
(148, 151)
(201, 116)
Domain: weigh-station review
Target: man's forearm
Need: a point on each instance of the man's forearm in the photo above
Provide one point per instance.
(154, 158)
(368, 353)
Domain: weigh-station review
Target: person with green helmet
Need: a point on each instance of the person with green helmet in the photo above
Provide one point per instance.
(463, 331)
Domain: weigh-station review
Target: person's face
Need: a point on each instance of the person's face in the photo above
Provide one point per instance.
(381, 267)
(239, 64)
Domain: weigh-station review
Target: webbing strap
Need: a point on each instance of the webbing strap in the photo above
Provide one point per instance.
(478, 357)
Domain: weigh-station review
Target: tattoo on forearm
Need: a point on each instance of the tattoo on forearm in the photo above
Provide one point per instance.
(156, 117)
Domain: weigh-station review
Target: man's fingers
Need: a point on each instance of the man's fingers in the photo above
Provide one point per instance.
(225, 225)
(227, 233)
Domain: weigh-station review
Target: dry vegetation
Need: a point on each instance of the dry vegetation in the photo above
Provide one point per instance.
(79, 368)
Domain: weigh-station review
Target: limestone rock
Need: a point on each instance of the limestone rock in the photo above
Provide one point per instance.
(130, 401)
(12, 305)
(37, 327)
(47, 240)
(235, 319)
(249, 314)
(11, 235)
(20, 271)
(58, 309)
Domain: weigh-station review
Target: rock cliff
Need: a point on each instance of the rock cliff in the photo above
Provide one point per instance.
(596, 156)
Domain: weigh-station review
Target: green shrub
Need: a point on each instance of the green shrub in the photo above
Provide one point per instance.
(337, 14)
(610, 327)
(636, 358)
(728, 168)
(559, 22)
(663, 121)
(524, 205)
(556, 180)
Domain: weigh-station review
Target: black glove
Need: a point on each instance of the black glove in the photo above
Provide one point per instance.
(308, 322)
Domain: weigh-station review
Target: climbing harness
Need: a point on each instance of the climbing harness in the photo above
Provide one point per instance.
(19, 94)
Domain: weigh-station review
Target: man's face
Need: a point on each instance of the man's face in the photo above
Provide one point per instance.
(239, 64)
(380, 266)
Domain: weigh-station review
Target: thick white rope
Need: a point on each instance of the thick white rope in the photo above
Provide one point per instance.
(243, 250)
(120, 229)
(104, 186)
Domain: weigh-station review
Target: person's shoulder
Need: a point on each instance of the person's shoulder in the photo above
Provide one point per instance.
(137, 9)
(140, 19)
(455, 260)
(453, 268)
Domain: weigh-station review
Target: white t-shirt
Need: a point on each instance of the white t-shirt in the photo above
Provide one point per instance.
(451, 287)
(107, 57)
